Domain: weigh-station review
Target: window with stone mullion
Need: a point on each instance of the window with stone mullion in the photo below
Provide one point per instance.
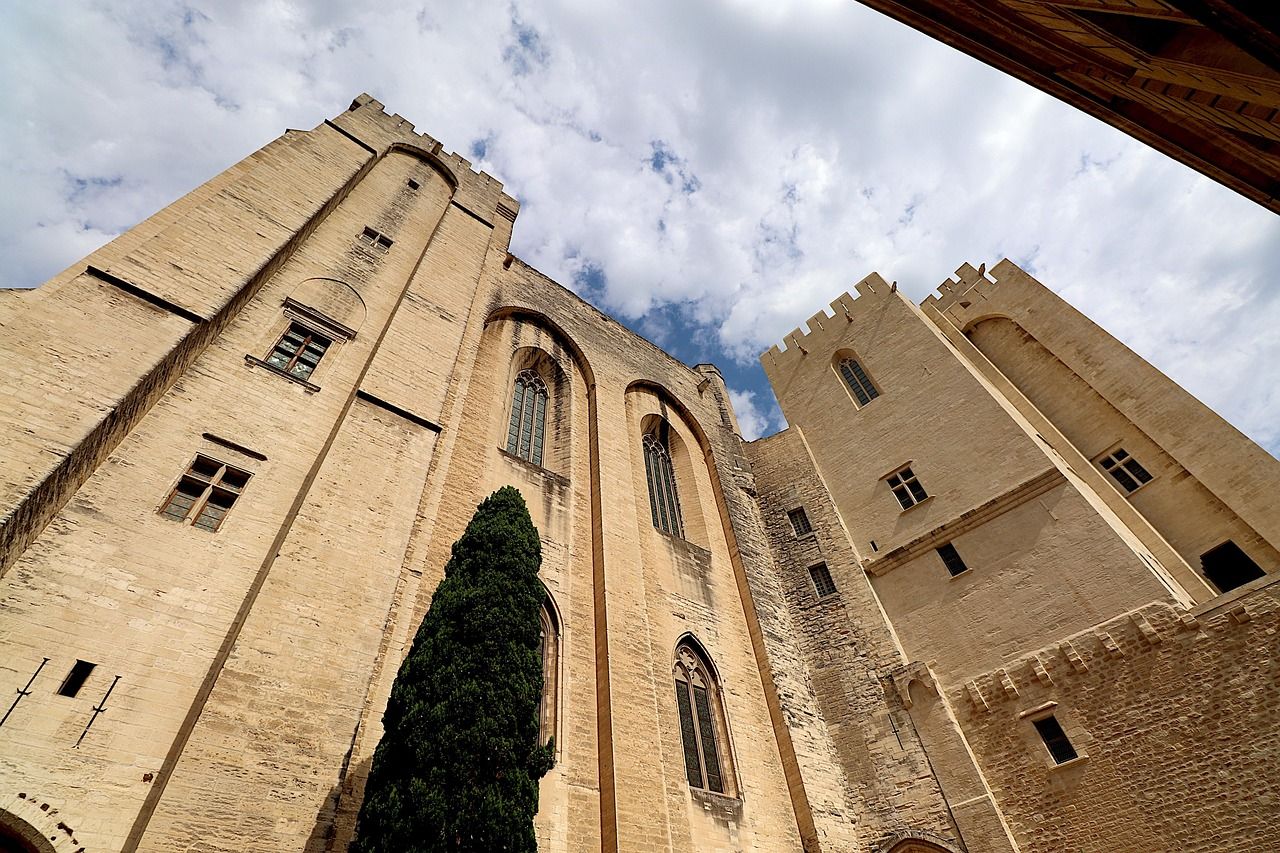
(527, 429)
(663, 499)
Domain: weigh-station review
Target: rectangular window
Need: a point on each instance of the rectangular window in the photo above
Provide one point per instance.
(951, 559)
(822, 581)
(76, 678)
(1055, 739)
(799, 521)
(376, 239)
(413, 185)
(205, 494)
(298, 351)
(1125, 470)
(906, 488)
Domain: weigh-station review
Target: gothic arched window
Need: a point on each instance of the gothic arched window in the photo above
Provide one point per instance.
(663, 500)
(528, 417)
(864, 391)
(701, 721)
(550, 654)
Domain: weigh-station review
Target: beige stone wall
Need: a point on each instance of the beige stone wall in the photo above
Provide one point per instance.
(1176, 715)
(1235, 486)
(866, 774)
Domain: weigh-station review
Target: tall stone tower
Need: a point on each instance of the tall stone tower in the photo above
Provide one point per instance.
(1000, 586)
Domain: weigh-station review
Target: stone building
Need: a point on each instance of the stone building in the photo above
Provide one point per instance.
(1000, 586)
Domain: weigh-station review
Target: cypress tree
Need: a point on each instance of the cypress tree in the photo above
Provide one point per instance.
(458, 765)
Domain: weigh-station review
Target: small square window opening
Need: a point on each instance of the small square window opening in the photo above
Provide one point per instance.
(1055, 739)
(951, 559)
(413, 185)
(298, 351)
(1125, 470)
(822, 582)
(76, 678)
(906, 488)
(205, 494)
(799, 521)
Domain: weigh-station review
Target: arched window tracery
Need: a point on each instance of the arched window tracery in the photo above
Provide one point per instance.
(526, 433)
(549, 652)
(664, 502)
(702, 723)
(860, 384)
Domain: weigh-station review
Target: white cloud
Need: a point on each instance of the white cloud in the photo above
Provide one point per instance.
(754, 418)
(733, 164)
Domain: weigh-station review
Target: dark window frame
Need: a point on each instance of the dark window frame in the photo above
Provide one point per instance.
(527, 428)
(906, 487)
(700, 711)
(1125, 470)
(205, 494)
(1055, 739)
(311, 342)
(951, 559)
(857, 380)
(804, 527)
(660, 475)
(76, 677)
(823, 584)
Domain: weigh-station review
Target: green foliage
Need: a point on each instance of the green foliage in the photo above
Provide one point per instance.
(458, 765)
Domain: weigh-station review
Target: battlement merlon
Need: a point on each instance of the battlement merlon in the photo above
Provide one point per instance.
(870, 292)
(367, 123)
(969, 286)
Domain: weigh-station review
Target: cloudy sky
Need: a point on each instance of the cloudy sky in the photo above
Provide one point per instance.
(711, 173)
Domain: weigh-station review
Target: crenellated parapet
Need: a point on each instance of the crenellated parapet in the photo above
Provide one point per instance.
(828, 331)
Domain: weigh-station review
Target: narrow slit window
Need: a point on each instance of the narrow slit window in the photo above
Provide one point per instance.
(951, 559)
(526, 432)
(864, 391)
(800, 521)
(76, 678)
(1125, 470)
(205, 494)
(822, 582)
(379, 241)
(906, 488)
(664, 503)
(1055, 739)
(701, 721)
(549, 651)
(298, 351)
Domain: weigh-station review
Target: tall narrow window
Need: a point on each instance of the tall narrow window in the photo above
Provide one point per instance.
(800, 522)
(951, 559)
(1055, 739)
(701, 720)
(858, 381)
(906, 488)
(550, 654)
(205, 494)
(822, 582)
(1125, 470)
(76, 678)
(526, 433)
(298, 352)
(663, 501)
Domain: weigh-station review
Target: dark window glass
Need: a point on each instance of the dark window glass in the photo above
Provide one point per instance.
(906, 488)
(1228, 566)
(76, 678)
(706, 732)
(663, 501)
(799, 521)
(1125, 470)
(526, 431)
(692, 765)
(859, 383)
(298, 352)
(205, 493)
(1055, 739)
(951, 559)
(822, 581)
